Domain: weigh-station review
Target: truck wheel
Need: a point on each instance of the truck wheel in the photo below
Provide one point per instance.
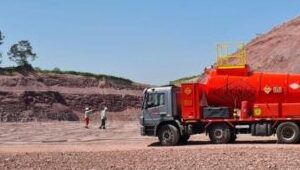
(168, 135)
(288, 133)
(184, 139)
(220, 134)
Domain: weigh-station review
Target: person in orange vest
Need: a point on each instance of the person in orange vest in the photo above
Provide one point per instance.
(87, 115)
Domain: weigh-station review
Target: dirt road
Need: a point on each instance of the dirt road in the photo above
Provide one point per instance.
(64, 145)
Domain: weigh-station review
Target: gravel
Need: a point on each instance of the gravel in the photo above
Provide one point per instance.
(67, 145)
(221, 157)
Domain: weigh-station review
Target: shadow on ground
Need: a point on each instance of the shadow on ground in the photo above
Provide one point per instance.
(193, 143)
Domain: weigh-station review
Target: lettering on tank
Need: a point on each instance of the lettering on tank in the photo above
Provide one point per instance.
(277, 89)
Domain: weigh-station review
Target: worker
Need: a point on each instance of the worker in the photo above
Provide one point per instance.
(87, 114)
(103, 117)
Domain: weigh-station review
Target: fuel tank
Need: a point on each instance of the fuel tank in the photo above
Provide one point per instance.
(229, 87)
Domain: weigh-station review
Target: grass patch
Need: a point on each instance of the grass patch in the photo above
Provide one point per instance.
(29, 69)
(86, 74)
(178, 81)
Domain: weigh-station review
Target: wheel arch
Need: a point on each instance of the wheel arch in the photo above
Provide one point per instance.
(277, 123)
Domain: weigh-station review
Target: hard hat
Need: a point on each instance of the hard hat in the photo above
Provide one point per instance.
(86, 109)
(105, 108)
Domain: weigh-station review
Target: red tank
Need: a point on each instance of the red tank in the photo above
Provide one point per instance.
(275, 94)
(265, 95)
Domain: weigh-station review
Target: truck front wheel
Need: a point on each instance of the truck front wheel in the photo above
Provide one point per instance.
(288, 133)
(220, 134)
(168, 135)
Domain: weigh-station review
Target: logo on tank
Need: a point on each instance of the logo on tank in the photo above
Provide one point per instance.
(257, 111)
(188, 91)
(267, 89)
(294, 86)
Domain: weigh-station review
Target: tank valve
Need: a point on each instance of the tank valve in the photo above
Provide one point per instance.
(236, 113)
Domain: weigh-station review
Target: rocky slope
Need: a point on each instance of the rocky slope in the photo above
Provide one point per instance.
(43, 96)
(277, 50)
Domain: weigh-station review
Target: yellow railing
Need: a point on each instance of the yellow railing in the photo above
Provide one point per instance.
(228, 58)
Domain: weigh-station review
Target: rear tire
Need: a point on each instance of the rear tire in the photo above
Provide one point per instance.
(288, 133)
(168, 135)
(220, 134)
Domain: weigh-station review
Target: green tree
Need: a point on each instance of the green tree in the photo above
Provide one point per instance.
(21, 52)
(1, 42)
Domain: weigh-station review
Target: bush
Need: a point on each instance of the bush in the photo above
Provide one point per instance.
(86, 74)
(56, 70)
(37, 69)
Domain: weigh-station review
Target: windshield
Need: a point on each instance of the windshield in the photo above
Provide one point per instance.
(153, 100)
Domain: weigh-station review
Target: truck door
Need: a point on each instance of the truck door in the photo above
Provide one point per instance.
(155, 108)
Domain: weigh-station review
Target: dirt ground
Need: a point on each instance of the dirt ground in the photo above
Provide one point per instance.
(67, 145)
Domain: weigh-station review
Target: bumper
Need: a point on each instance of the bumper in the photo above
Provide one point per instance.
(142, 130)
(147, 131)
(141, 120)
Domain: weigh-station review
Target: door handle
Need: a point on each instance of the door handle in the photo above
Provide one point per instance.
(163, 113)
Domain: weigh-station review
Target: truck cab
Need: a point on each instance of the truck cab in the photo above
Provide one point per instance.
(160, 114)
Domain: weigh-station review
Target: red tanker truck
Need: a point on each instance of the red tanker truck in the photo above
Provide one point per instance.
(230, 100)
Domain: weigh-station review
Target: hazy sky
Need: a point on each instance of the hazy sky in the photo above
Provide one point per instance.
(149, 41)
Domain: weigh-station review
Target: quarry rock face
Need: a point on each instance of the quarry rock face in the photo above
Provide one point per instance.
(116, 103)
(39, 97)
(29, 96)
(277, 50)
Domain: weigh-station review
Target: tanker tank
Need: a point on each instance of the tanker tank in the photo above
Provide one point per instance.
(223, 87)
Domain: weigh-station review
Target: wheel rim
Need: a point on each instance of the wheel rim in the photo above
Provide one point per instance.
(167, 135)
(218, 133)
(288, 133)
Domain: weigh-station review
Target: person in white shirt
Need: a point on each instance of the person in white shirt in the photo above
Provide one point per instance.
(103, 117)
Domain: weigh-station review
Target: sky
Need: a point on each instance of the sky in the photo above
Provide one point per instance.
(147, 41)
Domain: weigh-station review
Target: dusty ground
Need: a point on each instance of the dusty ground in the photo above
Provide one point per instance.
(64, 145)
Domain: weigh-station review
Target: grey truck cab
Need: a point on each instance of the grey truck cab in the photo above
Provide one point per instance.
(161, 115)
